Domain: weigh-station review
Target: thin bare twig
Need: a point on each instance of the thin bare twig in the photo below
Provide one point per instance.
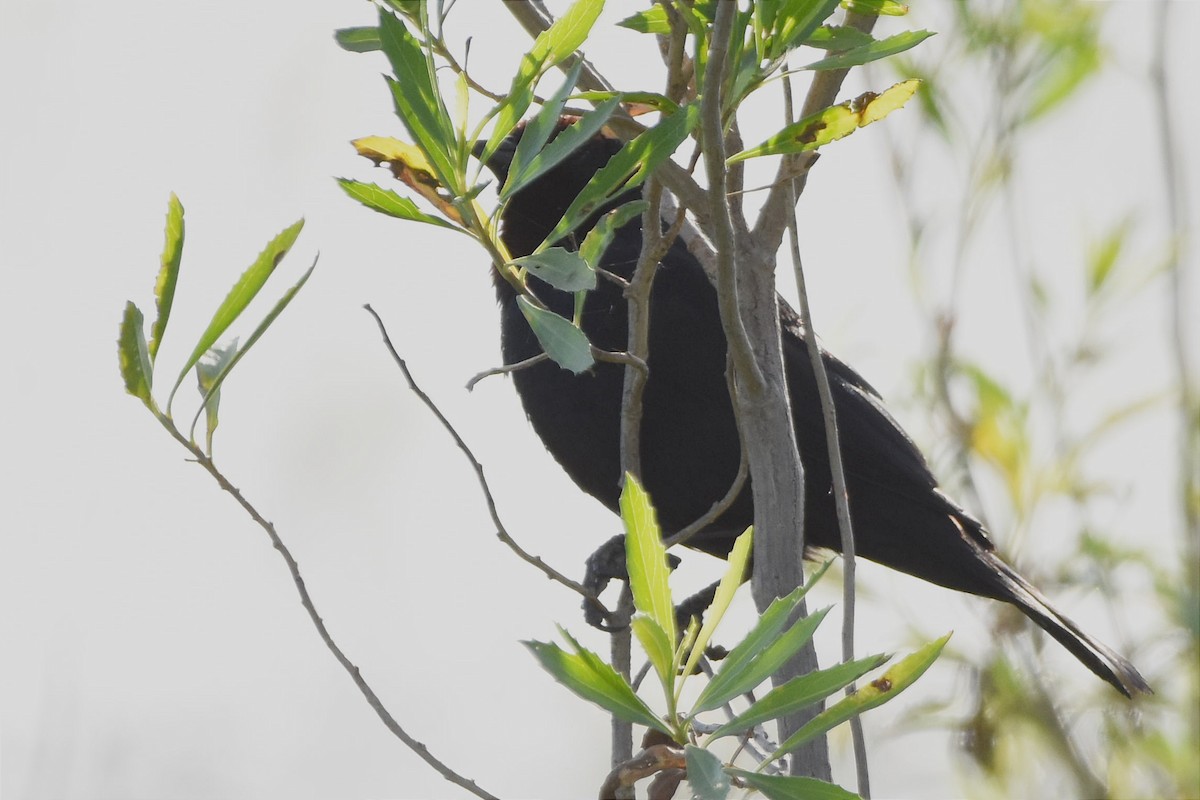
(293, 568)
(506, 369)
(501, 532)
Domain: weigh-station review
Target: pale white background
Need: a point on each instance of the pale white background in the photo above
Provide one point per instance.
(153, 646)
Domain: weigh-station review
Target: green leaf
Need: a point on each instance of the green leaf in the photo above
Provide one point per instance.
(417, 99)
(225, 367)
(740, 670)
(656, 100)
(872, 51)
(875, 693)
(359, 40)
(168, 273)
(646, 558)
(539, 130)
(649, 20)
(245, 290)
(585, 674)
(566, 344)
(385, 201)
(706, 774)
(735, 573)
(567, 142)
(1104, 255)
(795, 22)
(800, 692)
(880, 8)
(567, 33)
(785, 787)
(832, 123)
(601, 234)
(561, 268)
(837, 37)
(626, 170)
(659, 649)
(132, 355)
(209, 370)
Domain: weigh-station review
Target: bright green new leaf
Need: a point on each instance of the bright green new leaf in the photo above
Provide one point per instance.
(787, 787)
(385, 201)
(646, 558)
(566, 344)
(880, 8)
(168, 273)
(567, 33)
(659, 649)
(626, 170)
(649, 20)
(225, 367)
(832, 123)
(800, 692)
(245, 290)
(877, 692)
(132, 355)
(738, 672)
(561, 268)
(706, 774)
(358, 40)
(735, 573)
(872, 51)
(600, 236)
(585, 674)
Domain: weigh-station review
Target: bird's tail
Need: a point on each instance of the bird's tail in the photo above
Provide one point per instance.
(1096, 656)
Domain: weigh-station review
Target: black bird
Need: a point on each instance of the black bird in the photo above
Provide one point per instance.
(689, 442)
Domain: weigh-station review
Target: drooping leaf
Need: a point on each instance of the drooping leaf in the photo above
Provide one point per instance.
(133, 357)
(788, 787)
(209, 370)
(800, 692)
(646, 558)
(626, 170)
(872, 51)
(832, 123)
(566, 344)
(586, 674)
(168, 273)
(879, 691)
(385, 201)
(359, 40)
(561, 268)
(244, 290)
(706, 774)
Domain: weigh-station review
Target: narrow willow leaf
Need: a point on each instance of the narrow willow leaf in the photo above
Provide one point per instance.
(561, 268)
(225, 368)
(706, 773)
(646, 558)
(659, 649)
(566, 344)
(654, 100)
(209, 370)
(650, 20)
(385, 201)
(245, 290)
(837, 37)
(585, 674)
(796, 21)
(359, 40)
(538, 130)
(786, 787)
(873, 51)
(168, 273)
(132, 355)
(601, 234)
(880, 8)
(567, 142)
(735, 573)
(737, 668)
(567, 34)
(832, 123)
(626, 170)
(800, 692)
(877, 692)
(409, 164)
(417, 99)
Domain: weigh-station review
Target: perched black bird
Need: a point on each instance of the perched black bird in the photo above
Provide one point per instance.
(689, 442)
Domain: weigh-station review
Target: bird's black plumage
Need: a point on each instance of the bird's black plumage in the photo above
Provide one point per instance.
(689, 442)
